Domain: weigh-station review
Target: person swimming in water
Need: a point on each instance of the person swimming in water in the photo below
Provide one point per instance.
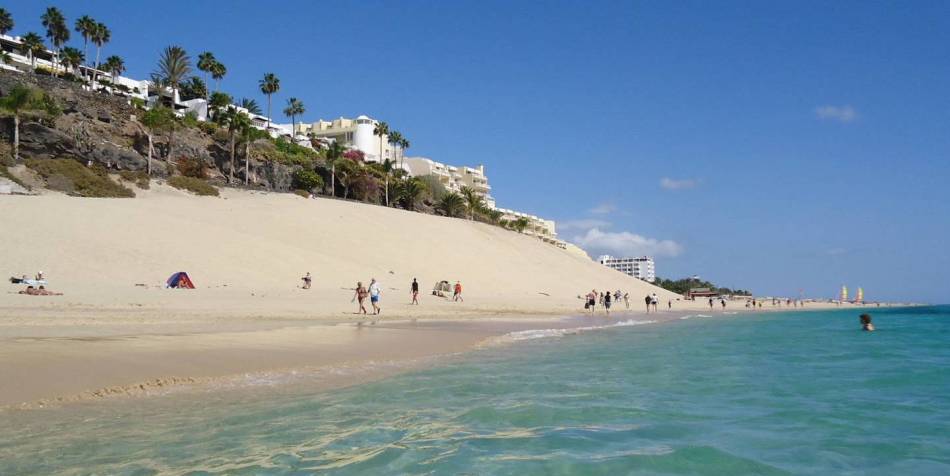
(866, 323)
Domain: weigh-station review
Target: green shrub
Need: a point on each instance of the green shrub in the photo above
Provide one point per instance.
(193, 185)
(208, 127)
(302, 193)
(307, 180)
(190, 119)
(292, 154)
(140, 179)
(76, 179)
(137, 103)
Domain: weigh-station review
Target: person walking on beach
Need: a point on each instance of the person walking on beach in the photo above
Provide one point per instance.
(626, 300)
(710, 304)
(600, 299)
(669, 305)
(607, 298)
(647, 300)
(360, 294)
(592, 300)
(654, 301)
(414, 289)
(306, 280)
(458, 292)
(723, 301)
(374, 293)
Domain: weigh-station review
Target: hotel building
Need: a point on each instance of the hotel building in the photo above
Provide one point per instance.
(451, 177)
(640, 268)
(354, 133)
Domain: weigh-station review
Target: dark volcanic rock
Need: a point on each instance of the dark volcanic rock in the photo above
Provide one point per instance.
(40, 142)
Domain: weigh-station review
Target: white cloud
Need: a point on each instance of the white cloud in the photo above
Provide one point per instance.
(673, 184)
(836, 113)
(582, 224)
(625, 243)
(603, 209)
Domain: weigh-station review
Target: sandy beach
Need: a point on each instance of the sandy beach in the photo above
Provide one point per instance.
(117, 331)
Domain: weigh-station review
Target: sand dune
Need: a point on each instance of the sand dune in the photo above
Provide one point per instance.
(246, 252)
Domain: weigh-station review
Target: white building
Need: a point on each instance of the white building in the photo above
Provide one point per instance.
(545, 230)
(640, 268)
(353, 133)
(452, 177)
(117, 85)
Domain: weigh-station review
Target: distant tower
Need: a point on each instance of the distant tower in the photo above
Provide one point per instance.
(844, 293)
(364, 140)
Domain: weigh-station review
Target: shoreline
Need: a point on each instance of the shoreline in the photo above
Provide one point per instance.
(58, 370)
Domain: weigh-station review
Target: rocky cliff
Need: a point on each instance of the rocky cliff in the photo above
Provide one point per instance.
(103, 129)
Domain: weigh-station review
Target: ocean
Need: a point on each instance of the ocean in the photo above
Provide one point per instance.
(772, 393)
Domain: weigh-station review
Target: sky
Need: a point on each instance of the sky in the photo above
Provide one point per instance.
(783, 147)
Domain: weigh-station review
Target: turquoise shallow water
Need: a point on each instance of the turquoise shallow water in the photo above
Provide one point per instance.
(792, 393)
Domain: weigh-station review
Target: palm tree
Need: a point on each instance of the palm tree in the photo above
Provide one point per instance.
(473, 201)
(173, 66)
(218, 70)
(218, 102)
(269, 85)
(247, 132)
(20, 100)
(156, 119)
(403, 146)
(334, 153)
(236, 122)
(6, 21)
(452, 204)
(251, 106)
(100, 36)
(5, 57)
(294, 108)
(72, 58)
(205, 62)
(395, 138)
(32, 45)
(115, 66)
(409, 192)
(520, 224)
(381, 130)
(56, 31)
(85, 26)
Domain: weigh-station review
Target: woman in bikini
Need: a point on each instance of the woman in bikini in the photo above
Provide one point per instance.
(360, 295)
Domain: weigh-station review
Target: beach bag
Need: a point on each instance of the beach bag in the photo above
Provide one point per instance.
(587, 305)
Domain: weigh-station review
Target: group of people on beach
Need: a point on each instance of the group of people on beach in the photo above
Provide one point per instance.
(593, 299)
(35, 286)
(374, 292)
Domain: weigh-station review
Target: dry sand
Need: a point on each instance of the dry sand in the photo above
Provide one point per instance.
(116, 328)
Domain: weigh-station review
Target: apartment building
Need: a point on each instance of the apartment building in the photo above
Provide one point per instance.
(452, 177)
(641, 268)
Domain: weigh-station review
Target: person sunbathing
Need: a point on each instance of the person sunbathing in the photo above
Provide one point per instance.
(41, 291)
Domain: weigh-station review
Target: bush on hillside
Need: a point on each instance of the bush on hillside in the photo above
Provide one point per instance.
(302, 193)
(285, 152)
(193, 185)
(70, 176)
(140, 179)
(307, 180)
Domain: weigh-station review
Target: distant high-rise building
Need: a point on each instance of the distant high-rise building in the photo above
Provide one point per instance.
(640, 268)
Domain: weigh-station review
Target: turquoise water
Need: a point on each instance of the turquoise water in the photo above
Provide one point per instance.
(792, 393)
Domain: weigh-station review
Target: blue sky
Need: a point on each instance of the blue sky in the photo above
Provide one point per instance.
(775, 146)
